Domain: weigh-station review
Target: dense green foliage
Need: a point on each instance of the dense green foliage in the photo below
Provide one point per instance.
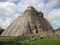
(35, 42)
(1, 30)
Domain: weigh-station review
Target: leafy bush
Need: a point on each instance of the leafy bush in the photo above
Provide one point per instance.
(1, 30)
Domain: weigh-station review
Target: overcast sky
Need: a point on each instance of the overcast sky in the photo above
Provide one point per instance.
(11, 9)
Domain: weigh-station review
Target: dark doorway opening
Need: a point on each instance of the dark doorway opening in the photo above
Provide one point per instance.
(36, 29)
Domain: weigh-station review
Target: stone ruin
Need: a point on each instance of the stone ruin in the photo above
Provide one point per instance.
(31, 24)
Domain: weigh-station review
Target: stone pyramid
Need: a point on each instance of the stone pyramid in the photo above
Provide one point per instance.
(31, 22)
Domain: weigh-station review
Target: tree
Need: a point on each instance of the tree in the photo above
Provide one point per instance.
(1, 30)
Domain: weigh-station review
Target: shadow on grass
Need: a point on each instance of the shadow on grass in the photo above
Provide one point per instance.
(11, 43)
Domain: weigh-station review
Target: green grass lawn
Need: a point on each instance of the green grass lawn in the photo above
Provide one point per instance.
(35, 42)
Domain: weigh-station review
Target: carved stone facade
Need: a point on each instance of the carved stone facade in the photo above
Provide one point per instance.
(31, 22)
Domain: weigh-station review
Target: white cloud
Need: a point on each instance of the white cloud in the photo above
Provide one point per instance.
(54, 18)
(54, 14)
(7, 8)
(49, 6)
(7, 13)
(0, 22)
(6, 22)
(10, 10)
(23, 4)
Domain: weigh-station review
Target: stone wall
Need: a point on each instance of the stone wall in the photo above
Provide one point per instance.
(7, 38)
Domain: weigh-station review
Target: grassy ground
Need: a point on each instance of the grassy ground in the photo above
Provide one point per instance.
(36, 42)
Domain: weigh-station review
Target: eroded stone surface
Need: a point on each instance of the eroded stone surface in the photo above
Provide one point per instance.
(31, 22)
